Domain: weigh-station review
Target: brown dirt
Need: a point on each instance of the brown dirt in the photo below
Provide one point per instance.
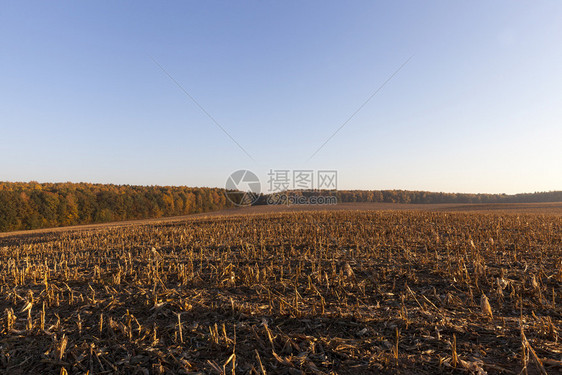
(354, 291)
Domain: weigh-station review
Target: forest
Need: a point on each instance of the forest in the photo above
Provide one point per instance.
(32, 205)
(427, 197)
(423, 197)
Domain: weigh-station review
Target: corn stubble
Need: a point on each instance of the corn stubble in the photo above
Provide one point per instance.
(310, 292)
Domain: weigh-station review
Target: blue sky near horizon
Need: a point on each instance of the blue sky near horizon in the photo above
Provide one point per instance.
(476, 109)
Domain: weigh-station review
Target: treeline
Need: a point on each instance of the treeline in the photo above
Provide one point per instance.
(426, 197)
(31, 205)
(421, 197)
(39, 205)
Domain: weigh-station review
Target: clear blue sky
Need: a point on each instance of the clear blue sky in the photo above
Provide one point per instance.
(477, 109)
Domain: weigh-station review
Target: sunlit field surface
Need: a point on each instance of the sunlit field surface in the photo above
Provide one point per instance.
(346, 292)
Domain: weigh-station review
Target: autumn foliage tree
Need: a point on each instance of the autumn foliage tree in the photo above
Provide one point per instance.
(33, 205)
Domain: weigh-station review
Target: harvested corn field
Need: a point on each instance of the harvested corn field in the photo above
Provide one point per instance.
(336, 292)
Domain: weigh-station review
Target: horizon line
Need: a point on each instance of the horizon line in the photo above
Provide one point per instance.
(224, 188)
